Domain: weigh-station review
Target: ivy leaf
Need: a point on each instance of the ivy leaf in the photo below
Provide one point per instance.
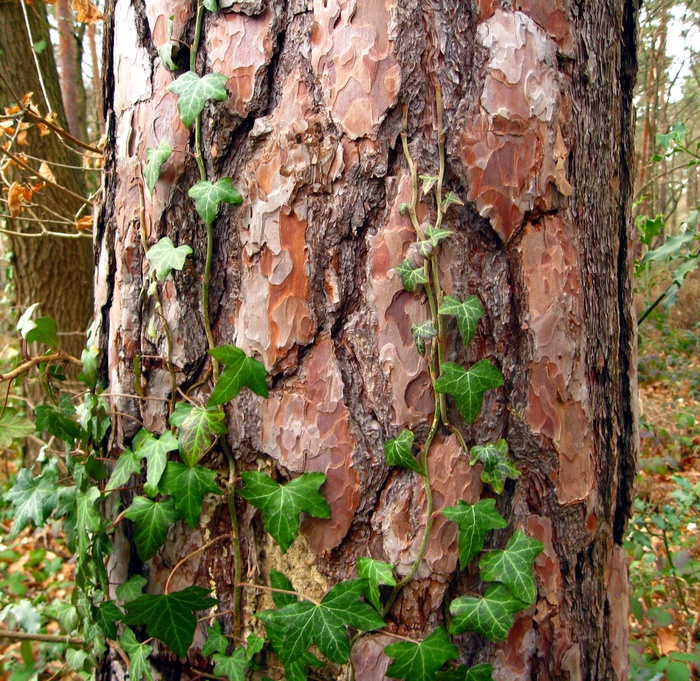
(241, 372)
(155, 158)
(198, 431)
(165, 51)
(513, 566)
(324, 624)
(435, 236)
(280, 581)
(421, 333)
(420, 661)
(233, 667)
(155, 450)
(53, 421)
(212, 6)
(468, 387)
(473, 522)
(177, 418)
(449, 199)
(13, 426)
(106, 616)
(128, 464)
(25, 323)
(428, 182)
(497, 464)
(468, 314)
(139, 666)
(193, 93)
(44, 331)
(33, 498)
(131, 589)
(411, 277)
(490, 615)
(216, 641)
(208, 196)
(152, 520)
(87, 511)
(375, 572)
(187, 486)
(282, 504)
(89, 361)
(481, 672)
(169, 617)
(164, 257)
(399, 451)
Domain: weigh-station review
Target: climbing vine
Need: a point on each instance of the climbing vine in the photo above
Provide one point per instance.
(74, 484)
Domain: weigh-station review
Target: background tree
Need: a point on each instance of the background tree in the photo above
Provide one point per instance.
(537, 107)
(55, 271)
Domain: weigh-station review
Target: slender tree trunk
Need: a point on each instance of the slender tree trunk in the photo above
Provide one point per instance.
(69, 62)
(538, 110)
(57, 272)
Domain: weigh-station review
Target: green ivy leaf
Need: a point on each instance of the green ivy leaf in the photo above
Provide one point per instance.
(241, 372)
(420, 661)
(435, 236)
(164, 257)
(324, 624)
(490, 616)
(399, 451)
(187, 486)
(165, 51)
(198, 432)
(53, 421)
(128, 464)
(233, 667)
(193, 93)
(411, 277)
(212, 6)
(208, 196)
(513, 566)
(152, 520)
(449, 199)
(44, 331)
(169, 617)
(106, 616)
(481, 672)
(33, 498)
(468, 387)
(280, 581)
(216, 641)
(180, 413)
(155, 158)
(497, 464)
(139, 666)
(428, 182)
(375, 572)
(468, 314)
(474, 523)
(155, 450)
(131, 589)
(421, 333)
(12, 426)
(281, 505)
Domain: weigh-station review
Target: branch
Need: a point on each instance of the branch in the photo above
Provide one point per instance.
(26, 366)
(26, 166)
(45, 638)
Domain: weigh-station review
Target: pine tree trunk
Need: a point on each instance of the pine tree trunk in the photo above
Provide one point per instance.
(537, 106)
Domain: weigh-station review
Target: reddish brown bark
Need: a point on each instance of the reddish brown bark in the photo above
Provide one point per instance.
(538, 112)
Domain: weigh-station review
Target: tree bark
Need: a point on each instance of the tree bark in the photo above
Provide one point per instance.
(538, 111)
(57, 272)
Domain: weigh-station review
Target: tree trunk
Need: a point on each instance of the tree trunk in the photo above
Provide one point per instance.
(538, 110)
(54, 271)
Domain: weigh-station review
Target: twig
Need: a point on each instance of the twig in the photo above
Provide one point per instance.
(248, 585)
(191, 555)
(45, 638)
(26, 366)
(36, 57)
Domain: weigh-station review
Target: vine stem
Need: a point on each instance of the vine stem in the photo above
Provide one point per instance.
(43, 638)
(272, 589)
(26, 366)
(192, 555)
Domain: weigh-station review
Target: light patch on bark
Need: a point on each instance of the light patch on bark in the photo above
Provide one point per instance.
(512, 148)
(354, 57)
(557, 405)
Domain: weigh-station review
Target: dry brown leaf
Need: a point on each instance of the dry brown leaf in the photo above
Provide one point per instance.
(667, 641)
(46, 172)
(16, 195)
(27, 99)
(11, 110)
(84, 224)
(86, 12)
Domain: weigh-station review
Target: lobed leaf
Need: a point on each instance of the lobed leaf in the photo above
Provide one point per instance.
(34, 498)
(468, 387)
(375, 572)
(13, 426)
(467, 313)
(207, 197)
(152, 520)
(139, 666)
(281, 505)
(474, 522)
(241, 372)
(187, 486)
(399, 451)
(198, 431)
(164, 257)
(497, 464)
(193, 93)
(411, 277)
(420, 661)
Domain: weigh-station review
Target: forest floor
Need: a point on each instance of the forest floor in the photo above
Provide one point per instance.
(36, 569)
